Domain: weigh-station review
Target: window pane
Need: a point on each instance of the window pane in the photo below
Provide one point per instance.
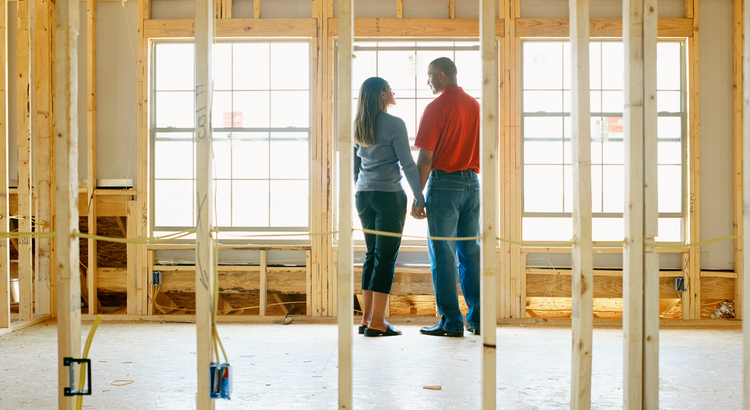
(568, 188)
(289, 156)
(222, 69)
(668, 71)
(613, 152)
(173, 203)
(596, 152)
(222, 203)
(595, 70)
(542, 127)
(363, 67)
(543, 188)
(222, 161)
(290, 66)
(175, 66)
(406, 109)
(607, 229)
(222, 109)
(613, 66)
(670, 188)
(613, 101)
(542, 152)
(670, 230)
(396, 67)
(250, 203)
(175, 109)
(250, 155)
(668, 101)
(290, 109)
(596, 188)
(669, 152)
(547, 229)
(542, 65)
(669, 127)
(174, 158)
(567, 70)
(596, 101)
(469, 71)
(613, 191)
(254, 107)
(289, 203)
(251, 66)
(542, 101)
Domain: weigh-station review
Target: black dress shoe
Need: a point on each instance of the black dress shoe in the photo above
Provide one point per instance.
(361, 329)
(473, 330)
(438, 331)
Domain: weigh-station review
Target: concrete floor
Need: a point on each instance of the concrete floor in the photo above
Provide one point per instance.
(294, 367)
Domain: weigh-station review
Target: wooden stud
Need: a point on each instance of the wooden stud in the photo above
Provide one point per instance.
(42, 173)
(151, 261)
(694, 166)
(452, 9)
(737, 93)
(488, 149)
(583, 259)
(141, 219)
(746, 200)
(66, 163)
(557, 28)
(400, 9)
(132, 267)
(308, 283)
(345, 288)
(256, 9)
(91, 152)
(205, 276)
(4, 204)
(263, 282)
(23, 122)
(423, 28)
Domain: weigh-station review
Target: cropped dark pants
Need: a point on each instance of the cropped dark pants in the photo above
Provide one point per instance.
(386, 212)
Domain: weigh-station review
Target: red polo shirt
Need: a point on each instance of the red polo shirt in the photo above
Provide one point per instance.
(449, 127)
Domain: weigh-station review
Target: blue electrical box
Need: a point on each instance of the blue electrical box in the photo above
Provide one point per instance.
(221, 380)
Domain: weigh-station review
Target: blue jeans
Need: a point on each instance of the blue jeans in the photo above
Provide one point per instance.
(453, 211)
(386, 212)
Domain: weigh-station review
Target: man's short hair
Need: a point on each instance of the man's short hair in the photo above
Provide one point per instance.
(445, 65)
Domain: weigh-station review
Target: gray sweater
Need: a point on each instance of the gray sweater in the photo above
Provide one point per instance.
(376, 167)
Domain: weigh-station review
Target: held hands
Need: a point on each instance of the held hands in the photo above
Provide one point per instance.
(418, 212)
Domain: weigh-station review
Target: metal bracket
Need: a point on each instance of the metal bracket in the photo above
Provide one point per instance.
(156, 278)
(221, 380)
(69, 391)
(679, 284)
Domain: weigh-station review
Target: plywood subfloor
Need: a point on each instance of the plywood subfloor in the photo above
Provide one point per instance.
(294, 367)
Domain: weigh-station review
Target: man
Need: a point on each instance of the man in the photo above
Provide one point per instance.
(448, 162)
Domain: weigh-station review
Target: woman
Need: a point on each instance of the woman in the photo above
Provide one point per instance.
(381, 144)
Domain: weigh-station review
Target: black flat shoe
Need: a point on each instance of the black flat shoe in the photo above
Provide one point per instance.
(391, 331)
(438, 331)
(473, 330)
(361, 329)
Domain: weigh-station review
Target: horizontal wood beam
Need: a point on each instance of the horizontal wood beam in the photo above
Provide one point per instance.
(566, 249)
(611, 287)
(424, 28)
(243, 28)
(558, 28)
(598, 272)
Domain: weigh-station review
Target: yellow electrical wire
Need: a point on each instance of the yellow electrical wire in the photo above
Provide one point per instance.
(82, 379)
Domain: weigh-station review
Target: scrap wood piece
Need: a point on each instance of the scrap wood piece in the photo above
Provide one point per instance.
(432, 387)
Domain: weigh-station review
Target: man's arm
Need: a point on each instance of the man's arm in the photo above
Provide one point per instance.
(424, 164)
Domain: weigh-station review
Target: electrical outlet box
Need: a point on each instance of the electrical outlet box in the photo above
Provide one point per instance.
(679, 284)
(221, 380)
(156, 278)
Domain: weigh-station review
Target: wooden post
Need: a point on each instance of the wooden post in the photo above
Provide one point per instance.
(256, 9)
(141, 219)
(263, 282)
(204, 253)
(4, 206)
(91, 159)
(42, 172)
(693, 309)
(131, 257)
(746, 202)
(582, 316)
(345, 287)
(640, 260)
(452, 9)
(23, 123)
(488, 149)
(400, 9)
(66, 163)
(737, 155)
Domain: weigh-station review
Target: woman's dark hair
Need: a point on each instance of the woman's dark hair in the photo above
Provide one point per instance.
(370, 104)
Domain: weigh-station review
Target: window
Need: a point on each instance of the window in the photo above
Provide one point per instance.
(261, 131)
(404, 65)
(546, 130)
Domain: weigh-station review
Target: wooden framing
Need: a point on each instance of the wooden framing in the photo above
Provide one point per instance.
(232, 28)
(132, 267)
(23, 123)
(141, 219)
(205, 276)
(42, 155)
(583, 261)
(691, 310)
(640, 260)
(4, 203)
(598, 27)
(429, 28)
(737, 174)
(91, 154)
(746, 197)
(66, 163)
(488, 162)
(345, 136)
